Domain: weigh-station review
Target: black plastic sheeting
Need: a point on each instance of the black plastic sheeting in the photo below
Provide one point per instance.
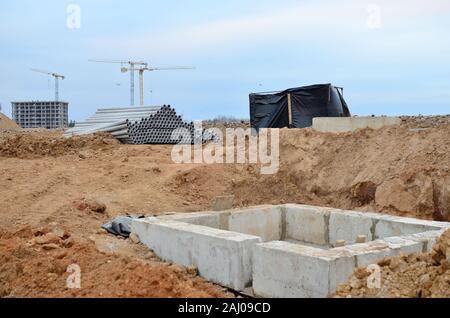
(270, 110)
(121, 225)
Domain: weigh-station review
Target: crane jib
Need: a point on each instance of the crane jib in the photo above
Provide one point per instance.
(56, 76)
(141, 67)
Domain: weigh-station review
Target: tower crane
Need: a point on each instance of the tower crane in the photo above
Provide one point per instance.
(141, 67)
(141, 71)
(132, 65)
(56, 76)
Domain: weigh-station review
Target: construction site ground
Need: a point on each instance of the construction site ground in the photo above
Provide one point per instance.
(55, 194)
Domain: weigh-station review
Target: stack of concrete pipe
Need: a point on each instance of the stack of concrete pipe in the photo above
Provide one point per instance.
(139, 125)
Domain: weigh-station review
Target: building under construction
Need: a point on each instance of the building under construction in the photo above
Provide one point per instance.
(36, 114)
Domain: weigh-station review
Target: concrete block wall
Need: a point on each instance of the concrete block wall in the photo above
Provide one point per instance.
(403, 246)
(238, 248)
(345, 226)
(266, 223)
(203, 218)
(307, 224)
(349, 124)
(222, 257)
(428, 239)
(396, 226)
(325, 226)
(286, 270)
(368, 253)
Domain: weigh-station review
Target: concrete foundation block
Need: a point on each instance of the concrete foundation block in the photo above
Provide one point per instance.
(223, 203)
(441, 225)
(428, 239)
(366, 259)
(394, 226)
(263, 222)
(403, 246)
(347, 124)
(223, 220)
(347, 226)
(209, 219)
(370, 253)
(288, 270)
(342, 265)
(307, 224)
(222, 257)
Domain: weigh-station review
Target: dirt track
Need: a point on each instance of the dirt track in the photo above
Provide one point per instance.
(44, 177)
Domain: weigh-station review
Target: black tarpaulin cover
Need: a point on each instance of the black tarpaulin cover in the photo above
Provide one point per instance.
(121, 225)
(271, 110)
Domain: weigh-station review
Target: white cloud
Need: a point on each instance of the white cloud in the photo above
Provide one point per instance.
(286, 23)
(310, 21)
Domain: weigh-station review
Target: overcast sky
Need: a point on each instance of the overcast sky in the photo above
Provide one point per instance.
(392, 57)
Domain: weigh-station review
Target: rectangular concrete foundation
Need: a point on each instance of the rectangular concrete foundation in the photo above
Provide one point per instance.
(286, 250)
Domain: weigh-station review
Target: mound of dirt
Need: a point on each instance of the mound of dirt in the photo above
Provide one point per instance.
(423, 122)
(33, 145)
(35, 263)
(392, 170)
(8, 124)
(413, 276)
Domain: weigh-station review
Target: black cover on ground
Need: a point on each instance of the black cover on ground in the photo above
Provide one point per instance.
(121, 225)
(270, 110)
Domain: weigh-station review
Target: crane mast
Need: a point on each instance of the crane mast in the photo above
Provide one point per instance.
(141, 67)
(56, 76)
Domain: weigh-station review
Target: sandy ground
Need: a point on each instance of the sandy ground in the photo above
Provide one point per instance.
(44, 177)
(7, 124)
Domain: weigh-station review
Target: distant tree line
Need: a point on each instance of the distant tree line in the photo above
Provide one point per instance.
(222, 119)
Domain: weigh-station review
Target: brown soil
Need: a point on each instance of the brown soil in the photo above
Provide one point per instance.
(392, 170)
(7, 124)
(29, 145)
(413, 276)
(44, 178)
(421, 122)
(34, 263)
